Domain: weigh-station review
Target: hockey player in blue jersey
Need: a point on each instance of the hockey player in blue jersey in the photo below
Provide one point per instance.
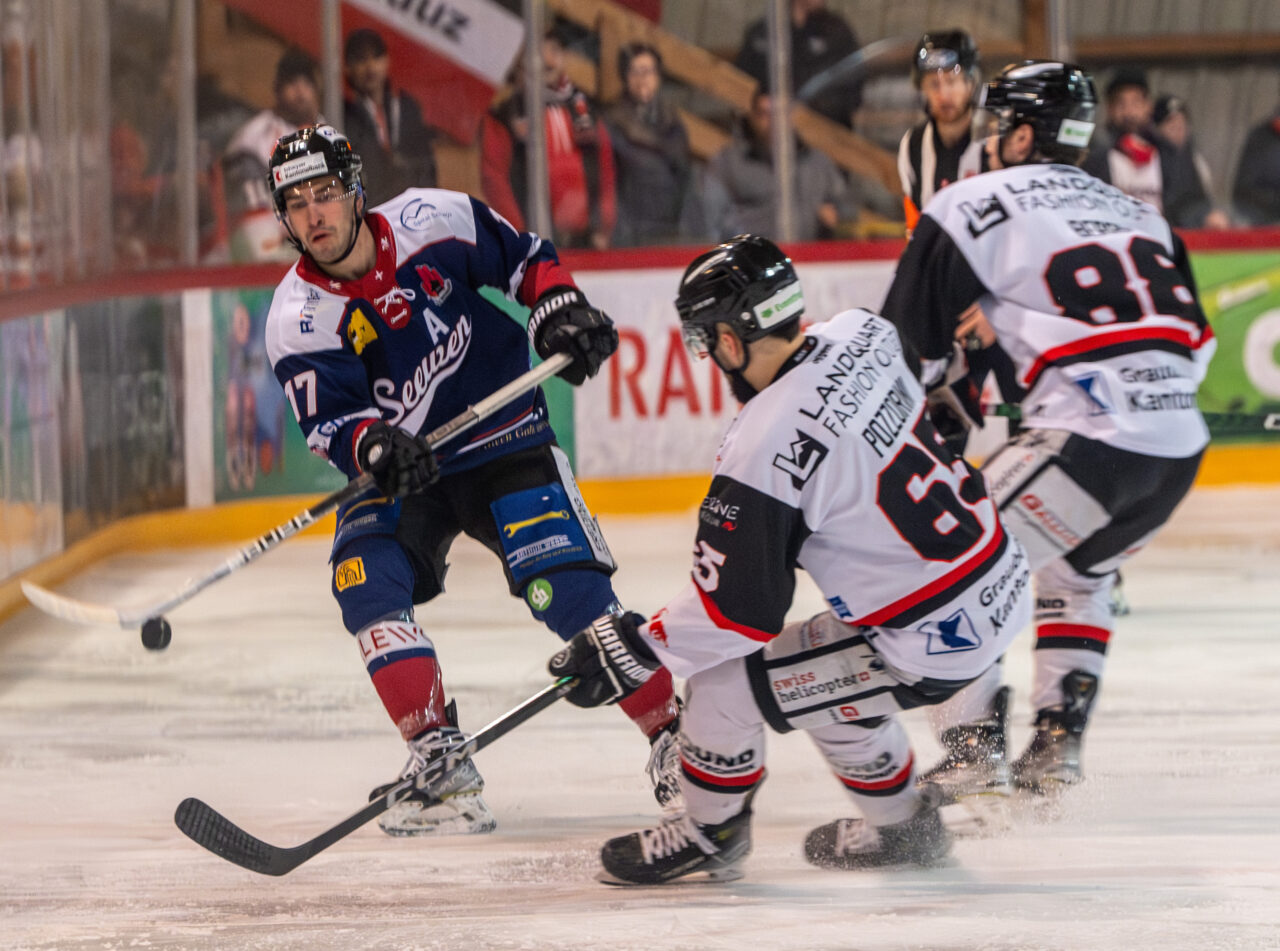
(378, 334)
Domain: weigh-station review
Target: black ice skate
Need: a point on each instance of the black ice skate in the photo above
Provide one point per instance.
(664, 768)
(977, 760)
(1052, 760)
(451, 807)
(679, 848)
(856, 843)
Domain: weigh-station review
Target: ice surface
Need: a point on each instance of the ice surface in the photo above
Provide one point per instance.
(261, 707)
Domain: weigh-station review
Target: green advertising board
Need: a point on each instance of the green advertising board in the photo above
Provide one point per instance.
(1240, 292)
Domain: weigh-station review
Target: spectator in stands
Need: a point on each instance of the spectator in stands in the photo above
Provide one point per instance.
(385, 125)
(1173, 124)
(738, 191)
(145, 179)
(255, 233)
(819, 40)
(1133, 157)
(652, 152)
(21, 160)
(580, 164)
(1256, 193)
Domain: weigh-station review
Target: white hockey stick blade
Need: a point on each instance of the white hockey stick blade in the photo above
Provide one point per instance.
(69, 609)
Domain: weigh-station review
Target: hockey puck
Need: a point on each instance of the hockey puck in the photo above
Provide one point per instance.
(156, 634)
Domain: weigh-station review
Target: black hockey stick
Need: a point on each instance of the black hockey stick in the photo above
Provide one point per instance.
(69, 609)
(208, 828)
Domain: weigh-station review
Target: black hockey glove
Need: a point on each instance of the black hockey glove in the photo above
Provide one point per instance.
(955, 404)
(563, 322)
(400, 464)
(608, 658)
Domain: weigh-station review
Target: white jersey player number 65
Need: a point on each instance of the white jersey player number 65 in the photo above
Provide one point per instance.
(706, 566)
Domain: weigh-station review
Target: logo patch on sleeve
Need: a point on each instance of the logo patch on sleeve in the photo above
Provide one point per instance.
(984, 214)
(348, 573)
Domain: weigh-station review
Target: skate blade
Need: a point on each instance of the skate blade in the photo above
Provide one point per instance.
(716, 876)
(954, 795)
(458, 815)
(980, 817)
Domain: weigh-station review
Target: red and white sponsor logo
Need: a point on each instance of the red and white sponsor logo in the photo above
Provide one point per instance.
(387, 637)
(656, 628)
(1047, 519)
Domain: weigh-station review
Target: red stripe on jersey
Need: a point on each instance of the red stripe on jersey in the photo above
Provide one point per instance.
(1189, 338)
(977, 563)
(734, 782)
(897, 779)
(543, 276)
(722, 622)
(1086, 631)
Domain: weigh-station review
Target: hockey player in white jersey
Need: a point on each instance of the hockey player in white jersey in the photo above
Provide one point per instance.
(832, 464)
(1090, 294)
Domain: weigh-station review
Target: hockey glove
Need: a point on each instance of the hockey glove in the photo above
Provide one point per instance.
(609, 659)
(400, 464)
(955, 404)
(563, 322)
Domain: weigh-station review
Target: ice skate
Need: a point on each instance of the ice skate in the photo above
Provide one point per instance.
(856, 843)
(451, 807)
(976, 761)
(664, 768)
(1052, 760)
(679, 849)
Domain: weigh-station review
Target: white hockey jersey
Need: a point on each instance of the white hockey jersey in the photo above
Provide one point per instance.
(1088, 291)
(836, 468)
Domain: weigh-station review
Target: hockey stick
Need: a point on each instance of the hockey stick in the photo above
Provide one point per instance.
(211, 830)
(82, 612)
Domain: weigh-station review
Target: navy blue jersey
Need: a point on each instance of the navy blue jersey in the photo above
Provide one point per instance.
(413, 342)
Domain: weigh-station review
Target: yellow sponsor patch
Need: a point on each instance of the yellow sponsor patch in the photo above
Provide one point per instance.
(348, 573)
(361, 333)
(511, 528)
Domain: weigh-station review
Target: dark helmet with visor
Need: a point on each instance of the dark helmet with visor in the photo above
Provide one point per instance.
(1058, 100)
(747, 283)
(313, 152)
(945, 50)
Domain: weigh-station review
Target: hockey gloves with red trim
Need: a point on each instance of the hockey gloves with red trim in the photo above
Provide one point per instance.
(563, 322)
(609, 659)
(400, 464)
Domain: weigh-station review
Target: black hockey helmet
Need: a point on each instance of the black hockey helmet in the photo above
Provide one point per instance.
(309, 153)
(1058, 100)
(747, 283)
(945, 50)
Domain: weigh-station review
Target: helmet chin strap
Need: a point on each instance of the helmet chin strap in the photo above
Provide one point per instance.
(742, 390)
